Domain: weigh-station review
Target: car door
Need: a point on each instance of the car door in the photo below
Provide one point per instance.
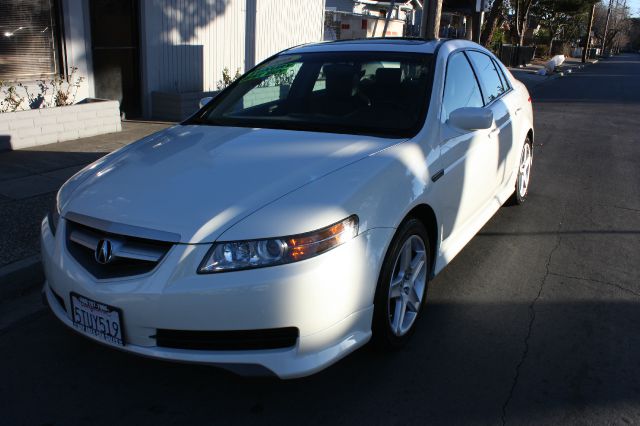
(462, 184)
(513, 102)
(495, 91)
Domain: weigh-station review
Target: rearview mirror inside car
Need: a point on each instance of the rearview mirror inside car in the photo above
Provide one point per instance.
(471, 118)
(205, 101)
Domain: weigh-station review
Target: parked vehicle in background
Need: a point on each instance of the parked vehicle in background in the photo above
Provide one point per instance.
(298, 214)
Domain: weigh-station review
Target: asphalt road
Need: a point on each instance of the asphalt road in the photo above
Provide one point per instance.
(535, 321)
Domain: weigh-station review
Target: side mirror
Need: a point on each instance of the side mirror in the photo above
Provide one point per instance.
(470, 118)
(205, 101)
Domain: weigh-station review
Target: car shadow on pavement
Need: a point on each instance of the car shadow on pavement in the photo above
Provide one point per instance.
(456, 370)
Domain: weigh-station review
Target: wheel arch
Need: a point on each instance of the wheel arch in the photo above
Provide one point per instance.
(425, 214)
(530, 135)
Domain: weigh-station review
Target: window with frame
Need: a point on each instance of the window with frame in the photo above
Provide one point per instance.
(488, 75)
(274, 88)
(377, 93)
(503, 76)
(28, 39)
(460, 87)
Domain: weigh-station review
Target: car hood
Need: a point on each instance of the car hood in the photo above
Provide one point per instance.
(196, 181)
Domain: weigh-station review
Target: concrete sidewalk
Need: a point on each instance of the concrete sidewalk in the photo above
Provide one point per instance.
(29, 180)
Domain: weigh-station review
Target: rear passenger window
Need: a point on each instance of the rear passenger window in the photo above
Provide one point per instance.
(460, 87)
(503, 77)
(488, 75)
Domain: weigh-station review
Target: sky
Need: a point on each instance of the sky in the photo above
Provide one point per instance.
(634, 7)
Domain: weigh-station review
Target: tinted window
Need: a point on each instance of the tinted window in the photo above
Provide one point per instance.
(346, 92)
(488, 74)
(272, 89)
(461, 88)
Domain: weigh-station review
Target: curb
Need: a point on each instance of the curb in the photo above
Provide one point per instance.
(21, 277)
(540, 81)
(550, 77)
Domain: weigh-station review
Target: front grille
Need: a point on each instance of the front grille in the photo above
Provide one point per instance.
(131, 255)
(273, 338)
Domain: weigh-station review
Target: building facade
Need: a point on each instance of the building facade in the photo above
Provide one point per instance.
(347, 19)
(132, 50)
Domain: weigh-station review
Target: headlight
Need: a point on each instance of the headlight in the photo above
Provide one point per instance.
(54, 215)
(238, 255)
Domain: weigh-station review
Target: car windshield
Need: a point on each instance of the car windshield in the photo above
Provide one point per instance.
(380, 93)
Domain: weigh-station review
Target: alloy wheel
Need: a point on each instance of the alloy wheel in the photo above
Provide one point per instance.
(407, 287)
(524, 172)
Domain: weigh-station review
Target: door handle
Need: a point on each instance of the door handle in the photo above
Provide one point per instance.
(494, 132)
(518, 110)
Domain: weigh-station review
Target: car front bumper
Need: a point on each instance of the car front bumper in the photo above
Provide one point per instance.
(329, 299)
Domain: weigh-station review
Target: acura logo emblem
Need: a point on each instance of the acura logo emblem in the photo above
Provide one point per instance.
(104, 252)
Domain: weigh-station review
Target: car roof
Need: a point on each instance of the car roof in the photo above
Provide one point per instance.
(394, 44)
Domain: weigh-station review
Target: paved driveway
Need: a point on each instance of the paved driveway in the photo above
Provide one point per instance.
(536, 321)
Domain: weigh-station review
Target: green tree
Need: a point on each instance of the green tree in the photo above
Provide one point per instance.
(561, 18)
(522, 10)
(494, 19)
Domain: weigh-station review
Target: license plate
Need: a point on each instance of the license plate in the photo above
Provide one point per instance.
(98, 319)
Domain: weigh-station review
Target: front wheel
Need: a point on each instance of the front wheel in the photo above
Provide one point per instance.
(402, 286)
(524, 174)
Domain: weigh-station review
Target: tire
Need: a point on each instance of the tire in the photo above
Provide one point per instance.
(397, 307)
(524, 174)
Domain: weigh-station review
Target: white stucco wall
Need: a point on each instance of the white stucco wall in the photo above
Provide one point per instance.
(185, 45)
(281, 24)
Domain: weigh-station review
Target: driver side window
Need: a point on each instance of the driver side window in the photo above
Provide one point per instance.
(460, 87)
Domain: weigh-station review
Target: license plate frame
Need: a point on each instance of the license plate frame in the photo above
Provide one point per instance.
(97, 319)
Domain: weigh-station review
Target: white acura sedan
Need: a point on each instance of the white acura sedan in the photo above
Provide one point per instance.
(296, 216)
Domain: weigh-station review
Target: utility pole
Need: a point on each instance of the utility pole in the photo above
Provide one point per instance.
(589, 28)
(430, 26)
(478, 17)
(606, 28)
(386, 21)
(468, 28)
